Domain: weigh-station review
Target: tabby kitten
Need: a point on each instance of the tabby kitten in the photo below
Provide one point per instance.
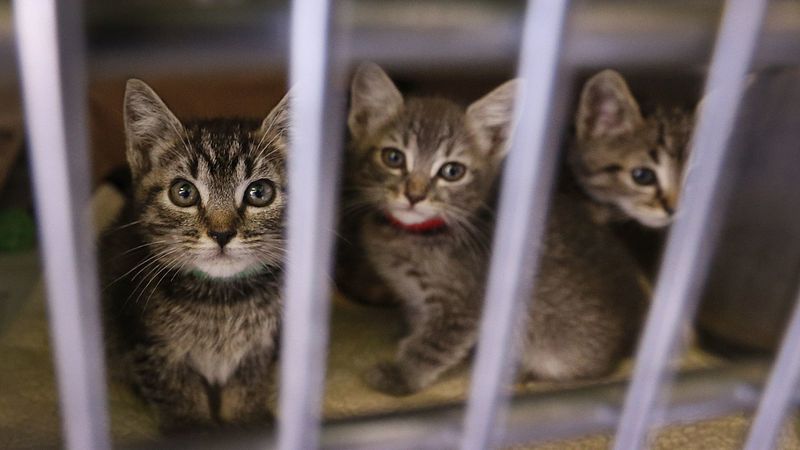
(630, 164)
(427, 169)
(193, 269)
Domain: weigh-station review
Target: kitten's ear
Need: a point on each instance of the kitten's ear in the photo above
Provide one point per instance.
(149, 124)
(277, 121)
(607, 107)
(490, 118)
(374, 101)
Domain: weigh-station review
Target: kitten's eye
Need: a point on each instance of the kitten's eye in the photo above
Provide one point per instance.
(643, 176)
(393, 158)
(260, 193)
(183, 193)
(452, 171)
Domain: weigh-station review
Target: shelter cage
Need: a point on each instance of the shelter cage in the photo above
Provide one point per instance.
(552, 38)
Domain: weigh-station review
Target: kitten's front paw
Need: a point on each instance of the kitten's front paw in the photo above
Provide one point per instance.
(390, 378)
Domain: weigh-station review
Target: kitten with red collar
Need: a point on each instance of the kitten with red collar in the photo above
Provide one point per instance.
(422, 172)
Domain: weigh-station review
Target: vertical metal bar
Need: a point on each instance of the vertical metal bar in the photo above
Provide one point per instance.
(313, 171)
(525, 192)
(50, 47)
(691, 239)
(780, 390)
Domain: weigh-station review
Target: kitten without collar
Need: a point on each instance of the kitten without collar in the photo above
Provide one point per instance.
(631, 165)
(192, 270)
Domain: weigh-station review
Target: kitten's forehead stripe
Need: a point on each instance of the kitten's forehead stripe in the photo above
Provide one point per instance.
(207, 160)
(248, 166)
(430, 134)
(241, 168)
(193, 167)
(449, 147)
(406, 137)
(218, 156)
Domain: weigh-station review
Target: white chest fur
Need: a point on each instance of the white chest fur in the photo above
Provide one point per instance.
(215, 339)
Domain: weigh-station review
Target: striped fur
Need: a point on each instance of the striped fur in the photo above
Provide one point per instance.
(588, 299)
(614, 139)
(193, 322)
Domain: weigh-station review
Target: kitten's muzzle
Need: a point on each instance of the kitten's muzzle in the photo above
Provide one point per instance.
(415, 198)
(416, 188)
(222, 237)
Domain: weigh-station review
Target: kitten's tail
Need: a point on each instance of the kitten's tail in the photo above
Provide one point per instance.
(109, 198)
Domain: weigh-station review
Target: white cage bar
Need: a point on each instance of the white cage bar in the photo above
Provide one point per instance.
(50, 51)
(778, 396)
(50, 47)
(313, 170)
(692, 235)
(524, 196)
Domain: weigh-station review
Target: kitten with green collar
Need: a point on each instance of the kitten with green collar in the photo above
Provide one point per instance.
(424, 170)
(192, 270)
(629, 164)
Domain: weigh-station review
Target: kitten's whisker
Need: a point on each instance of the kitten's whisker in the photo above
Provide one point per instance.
(473, 236)
(145, 272)
(179, 270)
(152, 276)
(355, 210)
(140, 246)
(122, 227)
(166, 270)
(268, 146)
(145, 262)
(150, 269)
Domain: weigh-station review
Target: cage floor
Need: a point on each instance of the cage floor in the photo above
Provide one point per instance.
(360, 336)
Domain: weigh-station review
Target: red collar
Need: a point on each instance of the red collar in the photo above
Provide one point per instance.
(434, 224)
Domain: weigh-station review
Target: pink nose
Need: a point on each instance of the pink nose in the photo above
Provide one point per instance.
(414, 198)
